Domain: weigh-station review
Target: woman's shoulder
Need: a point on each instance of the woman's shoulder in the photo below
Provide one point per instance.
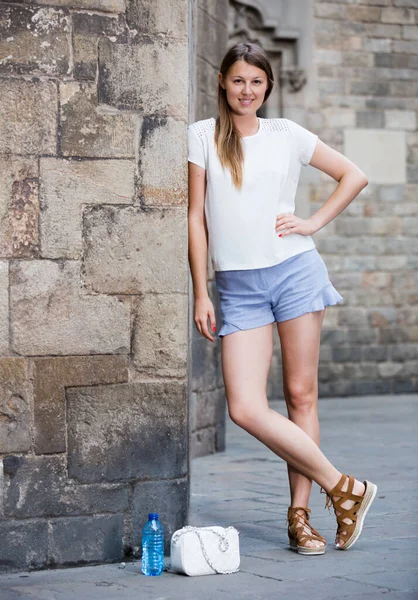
(202, 126)
(276, 124)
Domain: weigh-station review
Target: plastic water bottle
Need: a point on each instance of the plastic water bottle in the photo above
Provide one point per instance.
(152, 546)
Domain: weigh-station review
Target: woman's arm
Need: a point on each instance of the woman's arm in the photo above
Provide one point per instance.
(351, 180)
(198, 250)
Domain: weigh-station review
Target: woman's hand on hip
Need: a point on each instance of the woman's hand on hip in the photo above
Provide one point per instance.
(287, 223)
(204, 311)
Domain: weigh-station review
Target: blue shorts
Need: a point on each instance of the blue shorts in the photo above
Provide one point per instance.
(255, 297)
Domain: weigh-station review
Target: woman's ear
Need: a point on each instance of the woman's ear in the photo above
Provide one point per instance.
(220, 79)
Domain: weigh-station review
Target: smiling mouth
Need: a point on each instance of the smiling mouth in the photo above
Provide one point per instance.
(246, 101)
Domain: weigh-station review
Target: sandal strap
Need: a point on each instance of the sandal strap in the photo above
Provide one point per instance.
(344, 529)
(294, 519)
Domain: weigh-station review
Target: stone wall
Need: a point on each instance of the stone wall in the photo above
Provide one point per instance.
(364, 104)
(207, 398)
(93, 277)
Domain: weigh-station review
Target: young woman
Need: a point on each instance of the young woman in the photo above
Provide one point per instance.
(243, 175)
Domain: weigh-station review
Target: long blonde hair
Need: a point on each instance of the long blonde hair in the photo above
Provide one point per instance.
(227, 137)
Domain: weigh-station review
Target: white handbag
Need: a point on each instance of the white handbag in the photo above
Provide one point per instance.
(205, 550)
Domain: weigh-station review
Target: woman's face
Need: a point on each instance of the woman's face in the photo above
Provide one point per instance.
(245, 87)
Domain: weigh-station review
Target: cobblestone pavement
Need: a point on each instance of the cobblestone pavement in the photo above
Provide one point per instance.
(371, 437)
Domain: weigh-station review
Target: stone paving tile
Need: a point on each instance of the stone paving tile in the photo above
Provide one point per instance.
(373, 437)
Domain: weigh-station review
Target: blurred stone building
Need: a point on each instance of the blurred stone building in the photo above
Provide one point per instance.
(105, 384)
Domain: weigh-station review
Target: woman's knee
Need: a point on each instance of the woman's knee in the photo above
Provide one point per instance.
(242, 415)
(302, 396)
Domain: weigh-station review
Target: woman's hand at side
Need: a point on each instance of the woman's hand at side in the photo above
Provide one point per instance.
(204, 311)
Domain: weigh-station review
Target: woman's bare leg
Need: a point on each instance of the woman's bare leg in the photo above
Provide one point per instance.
(300, 341)
(246, 360)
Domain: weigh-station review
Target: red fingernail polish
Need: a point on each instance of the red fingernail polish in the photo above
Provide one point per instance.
(213, 328)
(280, 235)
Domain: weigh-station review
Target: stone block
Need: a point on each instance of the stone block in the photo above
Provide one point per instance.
(391, 263)
(217, 9)
(369, 88)
(19, 207)
(126, 431)
(91, 130)
(4, 307)
(358, 59)
(204, 353)
(340, 118)
(389, 369)
(87, 29)
(352, 316)
(207, 408)
(375, 353)
(163, 162)
(393, 61)
(78, 540)
(364, 13)
(380, 154)
(397, 15)
(347, 354)
(130, 250)
(405, 47)
(377, 44)
(51, 377)
(40, 488)
(137, 76)
(410, 225)
(49, 314)
(24, 545)
(203, 442)
(160, 334)
(28, 117)
(401, 119)
(170, 499)
(370, 119)
(158, 17)
(34, 41)
(404, 352)
(410, 32)
(67, 186)
(15, 413)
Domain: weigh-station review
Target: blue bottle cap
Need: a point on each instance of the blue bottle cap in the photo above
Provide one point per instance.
(152, 516)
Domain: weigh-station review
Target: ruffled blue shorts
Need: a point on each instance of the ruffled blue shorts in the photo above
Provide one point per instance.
(255, 297)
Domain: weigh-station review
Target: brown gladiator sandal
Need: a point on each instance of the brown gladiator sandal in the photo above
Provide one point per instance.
(297, 531)
(350, 532)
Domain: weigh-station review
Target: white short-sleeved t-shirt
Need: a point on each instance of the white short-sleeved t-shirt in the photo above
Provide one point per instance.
(241, 223)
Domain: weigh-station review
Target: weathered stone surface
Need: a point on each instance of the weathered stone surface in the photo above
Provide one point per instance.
(27, 544)
(397, 15)
(401, 119)
(156, 17)
(40, 488)
(25, 107)
(119, 432)
(50, 315)
(372, 119)
(130, 251)
(138, 76)
(163, 162)
(160, 334)
(19, 207)
(207, 408)
(169, 499)
(88, 28)
(102, 5)
(68, 185)
(4, 307)
(14, 406)
(34, 40)
(51, 378)
(91, 130)
(86, 539)
(213, 28)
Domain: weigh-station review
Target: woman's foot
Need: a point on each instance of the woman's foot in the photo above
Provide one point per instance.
(303, 538)
(351, 500)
